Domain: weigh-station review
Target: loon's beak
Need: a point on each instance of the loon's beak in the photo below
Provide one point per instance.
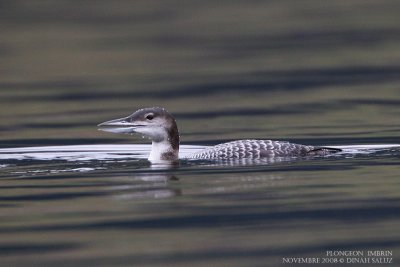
(122, 125)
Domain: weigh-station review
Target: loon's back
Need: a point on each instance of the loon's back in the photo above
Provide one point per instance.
(255, 149)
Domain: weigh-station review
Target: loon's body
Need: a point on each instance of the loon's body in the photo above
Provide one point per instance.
(161, 128)
(256, 149)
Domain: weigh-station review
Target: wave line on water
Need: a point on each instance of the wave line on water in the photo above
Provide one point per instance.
(85, 152)
(133, 151)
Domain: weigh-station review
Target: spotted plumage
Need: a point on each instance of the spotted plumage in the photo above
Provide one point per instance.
(255, 149)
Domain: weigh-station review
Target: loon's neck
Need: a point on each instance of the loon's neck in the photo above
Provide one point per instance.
(163, 151)
(167, 147)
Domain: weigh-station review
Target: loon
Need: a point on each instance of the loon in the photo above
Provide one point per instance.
(160, 126)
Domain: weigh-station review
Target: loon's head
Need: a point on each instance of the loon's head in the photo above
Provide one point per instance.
(154, 123)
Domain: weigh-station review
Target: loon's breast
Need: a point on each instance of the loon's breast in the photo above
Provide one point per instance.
(255, 149)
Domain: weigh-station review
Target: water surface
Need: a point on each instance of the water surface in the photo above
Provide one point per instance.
(311, 72)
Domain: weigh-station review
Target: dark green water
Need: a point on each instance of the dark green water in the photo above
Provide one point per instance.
(312, 72)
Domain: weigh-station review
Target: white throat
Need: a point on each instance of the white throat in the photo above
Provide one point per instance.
(161, 150)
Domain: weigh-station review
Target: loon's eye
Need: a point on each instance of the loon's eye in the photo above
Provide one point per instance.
(150, 117)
